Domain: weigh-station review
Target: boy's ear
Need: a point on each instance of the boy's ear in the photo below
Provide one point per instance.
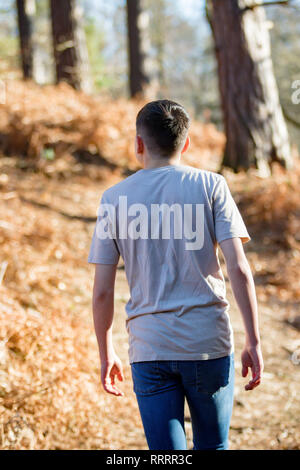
(186, 145)
(139, 145)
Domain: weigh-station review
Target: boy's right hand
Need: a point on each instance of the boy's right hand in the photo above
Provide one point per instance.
(252, 358)
(109, 371)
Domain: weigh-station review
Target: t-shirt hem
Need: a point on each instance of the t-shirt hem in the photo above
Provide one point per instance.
(244, 237)
(101, 261)
(181, 357)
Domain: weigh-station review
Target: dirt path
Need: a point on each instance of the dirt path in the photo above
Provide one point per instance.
(53, 377)
(267, 418)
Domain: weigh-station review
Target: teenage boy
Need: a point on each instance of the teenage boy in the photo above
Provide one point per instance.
(167, 221)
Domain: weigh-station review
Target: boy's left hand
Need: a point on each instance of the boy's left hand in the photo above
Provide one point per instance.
(252, 359)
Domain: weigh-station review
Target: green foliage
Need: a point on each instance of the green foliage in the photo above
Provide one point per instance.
(182, 47)
(42, 7)
(96, 44)
(9, 53)
(48, 153)
(8, 39)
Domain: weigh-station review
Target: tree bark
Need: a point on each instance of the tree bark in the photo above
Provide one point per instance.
(70, 54)
(254, 124)
(138, 45)
(25, 34)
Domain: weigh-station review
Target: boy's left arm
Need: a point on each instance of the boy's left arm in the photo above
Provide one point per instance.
(103, 313)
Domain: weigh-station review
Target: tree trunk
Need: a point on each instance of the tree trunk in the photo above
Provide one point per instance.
(70, 55)
(255, 128)
(138, 46)
(84, 69)
(24, 12)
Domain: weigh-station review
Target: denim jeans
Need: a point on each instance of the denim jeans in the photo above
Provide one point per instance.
(161, 388)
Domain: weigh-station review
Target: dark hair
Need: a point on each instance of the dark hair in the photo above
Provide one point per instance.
(164, 125)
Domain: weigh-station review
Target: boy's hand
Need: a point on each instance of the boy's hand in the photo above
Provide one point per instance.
(252, 358)
(110, 370)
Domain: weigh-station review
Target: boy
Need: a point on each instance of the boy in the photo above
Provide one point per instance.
(166, 222)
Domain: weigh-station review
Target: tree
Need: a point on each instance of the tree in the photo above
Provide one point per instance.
(285, 39)
(25, 11)
(254, 124)
(159, 28)
(138, 47)
(70, 52)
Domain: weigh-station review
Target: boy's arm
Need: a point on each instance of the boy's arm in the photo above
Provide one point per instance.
(242, 284)
(103, 312)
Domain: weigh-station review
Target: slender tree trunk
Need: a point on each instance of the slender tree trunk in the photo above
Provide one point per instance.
(25, 13)
(70, 54)
(84, 69)
(138, 45)
(255, 128)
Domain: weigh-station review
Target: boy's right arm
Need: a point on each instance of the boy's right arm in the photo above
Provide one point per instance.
(242, 284)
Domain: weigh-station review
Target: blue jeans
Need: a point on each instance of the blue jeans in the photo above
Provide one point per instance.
(161, 388)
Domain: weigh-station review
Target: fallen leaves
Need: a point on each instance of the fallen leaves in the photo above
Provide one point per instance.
(50, 396)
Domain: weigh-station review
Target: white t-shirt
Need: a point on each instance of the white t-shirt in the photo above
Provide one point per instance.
(166, 223)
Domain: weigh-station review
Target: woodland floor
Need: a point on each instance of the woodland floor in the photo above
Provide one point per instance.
(50, 394)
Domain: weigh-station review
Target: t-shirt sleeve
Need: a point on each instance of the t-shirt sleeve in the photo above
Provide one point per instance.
(227, 218)
(104, 249)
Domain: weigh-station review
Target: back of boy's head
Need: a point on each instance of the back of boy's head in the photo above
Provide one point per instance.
(163, 125)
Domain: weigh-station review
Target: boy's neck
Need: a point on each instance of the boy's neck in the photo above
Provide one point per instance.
(157, 162)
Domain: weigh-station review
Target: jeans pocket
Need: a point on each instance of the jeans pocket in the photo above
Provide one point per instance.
(146, 377)
(213, 374)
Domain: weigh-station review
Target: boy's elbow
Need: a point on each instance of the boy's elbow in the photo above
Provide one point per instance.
(239, 269)
(101, 296)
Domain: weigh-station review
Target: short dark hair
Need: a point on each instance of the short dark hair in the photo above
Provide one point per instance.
(164, 125)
